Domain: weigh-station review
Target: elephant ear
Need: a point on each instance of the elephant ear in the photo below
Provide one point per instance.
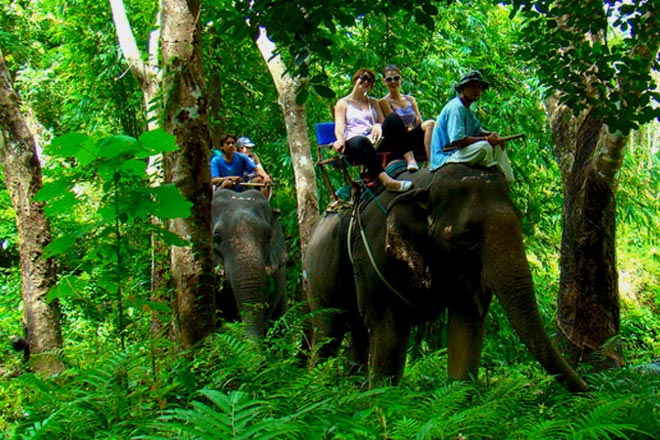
(277, 255)
(406, 234)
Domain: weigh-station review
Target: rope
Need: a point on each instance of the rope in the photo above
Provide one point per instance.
(372, 260)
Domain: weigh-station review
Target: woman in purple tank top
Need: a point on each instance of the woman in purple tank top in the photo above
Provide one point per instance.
(359, 121)
(419, 132)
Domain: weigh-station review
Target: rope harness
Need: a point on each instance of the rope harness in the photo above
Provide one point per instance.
(355, 216)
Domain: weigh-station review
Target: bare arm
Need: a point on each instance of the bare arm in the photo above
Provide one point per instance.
(384, 107)
(418, 115)
(377, 130)
(492, 139)
(340, 125)
(260, 171)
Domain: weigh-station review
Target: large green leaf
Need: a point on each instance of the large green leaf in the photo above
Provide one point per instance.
(156, 142)
(77, 145)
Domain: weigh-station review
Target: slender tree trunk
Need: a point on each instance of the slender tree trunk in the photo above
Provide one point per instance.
(295, 120)
(186, 118)
(23, 180)
(147, 72)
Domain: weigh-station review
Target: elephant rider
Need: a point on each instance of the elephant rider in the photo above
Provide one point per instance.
(228, 170)
(359, 123)
(458, 136)
(245, 145)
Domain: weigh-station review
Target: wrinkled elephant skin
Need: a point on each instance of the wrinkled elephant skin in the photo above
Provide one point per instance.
(329, 274)
(248, 243)
(450, 243)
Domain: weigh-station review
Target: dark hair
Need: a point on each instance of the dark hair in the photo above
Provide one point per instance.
(224, 137)
(391, 67)
(363, 70)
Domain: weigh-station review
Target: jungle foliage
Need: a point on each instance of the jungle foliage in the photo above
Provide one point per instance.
(122, 381)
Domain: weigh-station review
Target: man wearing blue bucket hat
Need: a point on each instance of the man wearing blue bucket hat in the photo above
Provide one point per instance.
(458, 136)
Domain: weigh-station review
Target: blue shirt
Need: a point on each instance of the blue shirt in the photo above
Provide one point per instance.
(455, 122)
(239, 166)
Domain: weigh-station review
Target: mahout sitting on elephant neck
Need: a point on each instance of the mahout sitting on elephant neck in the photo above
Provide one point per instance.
(450, 243)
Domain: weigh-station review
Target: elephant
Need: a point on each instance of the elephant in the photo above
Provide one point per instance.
(450, 243)
(329, 275)
(248, 244)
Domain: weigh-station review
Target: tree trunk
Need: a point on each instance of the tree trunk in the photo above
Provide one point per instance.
(588, 301)
(186, 118)
(589, 157)
(295, 120)
(148, 76)
(23, 180)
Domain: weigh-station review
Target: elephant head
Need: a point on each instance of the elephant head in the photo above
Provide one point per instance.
(248, 243)
(448, 244)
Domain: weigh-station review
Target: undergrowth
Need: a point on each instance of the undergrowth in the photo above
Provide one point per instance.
(233, 388)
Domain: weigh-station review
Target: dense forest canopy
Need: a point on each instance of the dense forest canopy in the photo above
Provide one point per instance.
(580, 79)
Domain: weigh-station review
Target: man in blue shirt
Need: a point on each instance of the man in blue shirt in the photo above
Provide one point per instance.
(458, 136)
(228, 169)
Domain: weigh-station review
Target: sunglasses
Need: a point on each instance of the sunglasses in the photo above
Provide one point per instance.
(389, 79)
(366, 79)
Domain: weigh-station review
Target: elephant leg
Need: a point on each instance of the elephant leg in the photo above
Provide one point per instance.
(359, 345)
(329, 331)
(388, 342)
(465, 336)
(279, 306)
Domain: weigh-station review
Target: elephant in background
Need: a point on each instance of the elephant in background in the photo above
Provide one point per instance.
(450, 243)
(248, 243)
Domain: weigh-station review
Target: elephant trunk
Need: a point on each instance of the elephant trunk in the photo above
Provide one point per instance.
(507, 273)
(247, 279)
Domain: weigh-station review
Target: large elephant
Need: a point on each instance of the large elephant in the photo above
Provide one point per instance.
(450, 243)
(248, 243)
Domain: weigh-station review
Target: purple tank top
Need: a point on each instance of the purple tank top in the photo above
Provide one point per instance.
(407, 113)
(359, 122)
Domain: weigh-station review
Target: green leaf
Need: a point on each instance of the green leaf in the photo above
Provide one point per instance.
(302, 96)
(59, 245)
(324, 91)
(166, 202)
(77, 145)
(51, 190)
(134, 167)
(68, 286)
(119, 145)
(171, 238)
(156, 142)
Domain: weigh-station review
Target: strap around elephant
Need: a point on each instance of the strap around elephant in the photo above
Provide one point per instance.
(370, 255)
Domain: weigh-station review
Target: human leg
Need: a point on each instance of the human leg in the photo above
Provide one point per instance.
(359, 150)
(397, 140)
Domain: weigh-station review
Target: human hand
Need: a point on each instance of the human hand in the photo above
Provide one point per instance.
(376, 131)
(339, 145)
(495, 140)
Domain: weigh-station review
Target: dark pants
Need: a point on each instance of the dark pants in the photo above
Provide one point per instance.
(360, 151)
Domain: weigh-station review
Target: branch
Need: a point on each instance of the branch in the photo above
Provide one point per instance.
(143, 71)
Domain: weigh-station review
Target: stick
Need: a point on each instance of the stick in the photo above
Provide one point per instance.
(504, 139)
(512, 137)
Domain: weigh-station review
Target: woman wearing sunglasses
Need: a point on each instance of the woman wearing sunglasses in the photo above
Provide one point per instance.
(359, 123)
(419, 132)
